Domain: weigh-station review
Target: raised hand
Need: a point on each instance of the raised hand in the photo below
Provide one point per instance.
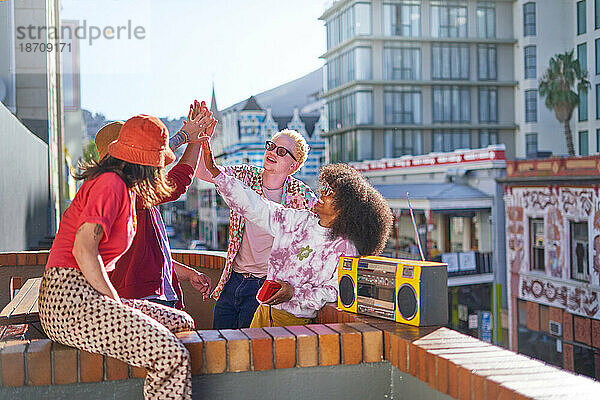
(195, 108)
(209, 159)
(196, 126)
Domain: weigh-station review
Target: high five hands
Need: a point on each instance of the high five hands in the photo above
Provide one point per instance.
(199, 123)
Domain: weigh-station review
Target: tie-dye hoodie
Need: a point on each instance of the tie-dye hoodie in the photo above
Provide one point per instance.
(302, 253)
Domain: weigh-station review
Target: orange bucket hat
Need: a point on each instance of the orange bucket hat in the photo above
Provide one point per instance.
(143, 140)
(105, 136)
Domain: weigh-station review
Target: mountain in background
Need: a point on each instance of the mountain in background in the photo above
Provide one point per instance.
(94, 121)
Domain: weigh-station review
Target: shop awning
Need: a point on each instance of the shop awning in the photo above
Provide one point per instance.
(435, 196)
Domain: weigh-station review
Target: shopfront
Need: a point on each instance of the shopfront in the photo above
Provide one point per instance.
(458, 212)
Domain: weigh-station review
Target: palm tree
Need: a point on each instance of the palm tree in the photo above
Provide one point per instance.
(557, 86)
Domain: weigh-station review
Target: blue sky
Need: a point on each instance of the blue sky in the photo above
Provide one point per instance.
(244, 46)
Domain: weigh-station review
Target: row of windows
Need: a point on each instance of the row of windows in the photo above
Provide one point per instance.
(579, 247)
(582, 16)
(351, 109)
(449, 62)
(531, 143)
(404, 19)
(358, 145)
(349, 66)
(404, 106)
(353, 21)
(584, 144)
(582, 111)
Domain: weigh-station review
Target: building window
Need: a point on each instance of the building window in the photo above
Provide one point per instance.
(403, 107)
(352, 21)
(403, 142)
(596, 14)
(451, 104)
(364, 145)
(597, 140)
(531, 106)
(531, 145)
(530, 62)
(362, 62)
(487, 138)
(584, 149)
(486, 19)
(364, 108)
(350, 109)
(448, 20)
(486, 60)
(450, 61)
(582, 55)
(581, 16)
(349, 66)
(362, 19)
(402, 20)
(597, 101)
(579, 250)
(488, 104)
(536, 239)
(597, 46)
(445, 141)
(342, 147)
(402, 64)
(582, 109)
(529, 19)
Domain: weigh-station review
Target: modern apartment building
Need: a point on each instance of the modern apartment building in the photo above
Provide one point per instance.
(542, 30)
(584, 27)
(414, 77)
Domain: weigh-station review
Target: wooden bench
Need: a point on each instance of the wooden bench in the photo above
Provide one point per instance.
(23, 308)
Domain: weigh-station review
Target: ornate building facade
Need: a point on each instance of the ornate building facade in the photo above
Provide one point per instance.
(553, 259)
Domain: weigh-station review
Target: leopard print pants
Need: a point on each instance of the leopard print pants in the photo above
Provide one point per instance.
(137, 332)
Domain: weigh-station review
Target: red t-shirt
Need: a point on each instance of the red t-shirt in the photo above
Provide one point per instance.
(104, 200)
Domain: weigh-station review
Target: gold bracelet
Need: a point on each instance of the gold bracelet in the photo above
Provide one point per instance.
(187, 137)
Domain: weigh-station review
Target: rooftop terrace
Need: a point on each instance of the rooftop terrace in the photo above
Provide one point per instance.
(342, 355)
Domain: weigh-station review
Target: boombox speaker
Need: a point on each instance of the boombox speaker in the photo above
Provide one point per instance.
(407, 291)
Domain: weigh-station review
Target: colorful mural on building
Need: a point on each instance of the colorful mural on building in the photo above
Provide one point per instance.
(558, 207)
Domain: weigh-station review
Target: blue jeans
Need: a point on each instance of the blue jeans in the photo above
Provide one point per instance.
(237, 303)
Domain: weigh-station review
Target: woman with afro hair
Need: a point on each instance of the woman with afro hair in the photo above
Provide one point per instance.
(350, 218)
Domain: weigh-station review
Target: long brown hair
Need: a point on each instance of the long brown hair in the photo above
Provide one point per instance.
(148, 183)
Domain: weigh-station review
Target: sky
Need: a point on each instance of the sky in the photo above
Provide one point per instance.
(244, 47)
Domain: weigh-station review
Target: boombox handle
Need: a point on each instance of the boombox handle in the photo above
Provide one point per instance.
(412, 215)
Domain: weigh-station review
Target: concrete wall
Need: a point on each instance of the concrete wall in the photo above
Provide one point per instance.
(363, 381)
(23, 185)
(7, 49)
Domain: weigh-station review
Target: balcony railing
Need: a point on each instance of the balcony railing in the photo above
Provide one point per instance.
(468, 263)
(360, 357)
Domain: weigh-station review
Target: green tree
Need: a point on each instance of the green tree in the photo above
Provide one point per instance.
(564, 74)
(90, 152)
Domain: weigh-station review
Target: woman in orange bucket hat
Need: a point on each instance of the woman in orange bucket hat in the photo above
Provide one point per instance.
(78, 305)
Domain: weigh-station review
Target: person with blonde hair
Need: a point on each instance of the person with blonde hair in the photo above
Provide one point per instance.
(249, 246)
(350, 218)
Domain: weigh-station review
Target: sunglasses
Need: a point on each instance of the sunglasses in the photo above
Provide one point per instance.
(280, 151)
(325, 189)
